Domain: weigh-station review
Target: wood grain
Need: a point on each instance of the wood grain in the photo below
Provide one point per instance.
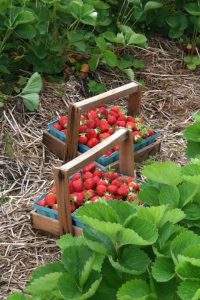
(126, 156)
(134, 103)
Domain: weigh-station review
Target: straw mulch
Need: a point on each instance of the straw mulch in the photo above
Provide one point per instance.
(171, 96)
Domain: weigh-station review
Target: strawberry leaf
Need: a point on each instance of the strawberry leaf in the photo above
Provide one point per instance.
(163, 269)
(135, 289)
(169, 195)
(189, 290)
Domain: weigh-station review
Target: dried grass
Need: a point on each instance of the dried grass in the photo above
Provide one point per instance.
(171, 96)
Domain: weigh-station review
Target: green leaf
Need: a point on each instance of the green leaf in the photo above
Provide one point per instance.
(192, 133)
(193, 149)
(173, 216)
(193, 8)
(4, 5)
(152, 214)
(163, 269)
(17, 296)
(137, 39)
(169, 195)
(83, 12)
(149, 195)
(187, 192)
(31, 101)
(26, 31)
(189, 290)
(163, 172)
(94, 62)
(55, 267)
(96, 88)
(68, 240)
(130, 73)
(110, 58)
(132, 260)
(151, 5)
(123, 209)
(44, 285)
(177, 22)
(34, 85)
(24, 17)
(192, 211)
(191, 169)
(185, 270)
(135, 289)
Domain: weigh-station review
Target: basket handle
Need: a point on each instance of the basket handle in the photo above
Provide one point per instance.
(62, 174)
(76, 109)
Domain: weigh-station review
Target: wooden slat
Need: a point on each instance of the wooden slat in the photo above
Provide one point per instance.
(111, 95)
(54, 145)
(62, 192)
(134, 103)
(91, 155)
(126, 156)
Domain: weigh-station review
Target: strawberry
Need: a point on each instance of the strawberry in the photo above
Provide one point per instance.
(112, 120)
(103, 182)
(111, 175)
(92, 114)
(130, 125)
(104, 135)
(57, 126)
(130, 119)
(78, 198)
(95, 199)
(136, 135)
(123, 190)
(50, 199)
(90, 168)
(108, 197)
(87, 175)
(131, 197)
(117, 182)
(91, 124)
(96, 179)
(83, 139)
(63, 120)
(103, 111)
(104, 126)
(76, 176)
(121, 123)
(89, 184)
(116, 109)
(101, 189)
(91, 133)
(150, 132)
(92, 142)
(82, 128)
(71, 207)
(98, 173)
(89, 194)
(77, 185)
(112, 189)
(55, 206)
(108, 153)
(134, 186)
(71, 187)
(41, 202)
(122, 117)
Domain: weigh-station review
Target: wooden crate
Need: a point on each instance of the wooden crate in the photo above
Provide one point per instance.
(124, 138)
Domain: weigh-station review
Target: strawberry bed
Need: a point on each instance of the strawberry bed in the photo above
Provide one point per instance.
(100, 123)
(89, 185)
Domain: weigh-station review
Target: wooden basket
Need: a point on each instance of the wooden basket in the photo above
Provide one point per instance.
(124, 138)
(68, 150)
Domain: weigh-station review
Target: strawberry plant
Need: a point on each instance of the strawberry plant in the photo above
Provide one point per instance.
(192, 135)
(126, 252)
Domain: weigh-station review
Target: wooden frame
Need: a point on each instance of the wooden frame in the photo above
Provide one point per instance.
(132, 90)
(62, 174)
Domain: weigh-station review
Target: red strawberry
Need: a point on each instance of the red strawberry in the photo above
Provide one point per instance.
(83, 139)
(122, 117)
(134, 186)
(89, 194)
(117, 182)
(112, 189)
(89, 184)
(114, 114)
(130, 125)
(108, 153)
(111, 175)
(103, 182)
(108, 197)
(63, 120)
(130, 119)
(41, 202)
(82, 128)
(123, 190)
(112, 120)
(92, 142)
(104, 135)
(136, 135)
(91, 133)
(78, 198)
(103, 111)
(96, 179)
(95, 199)
(92, 114)
(90, 168)
(57, 126)
(50, 199)
(77, 185)
(87, 175)
(71, 187)
(76, 176)
(101, 189)
(98, 173)
(151, 132)
(121, 123)
(116, 108)
(91, 123)
(104, 126)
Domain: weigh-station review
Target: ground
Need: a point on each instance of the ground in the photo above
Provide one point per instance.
(170, 97)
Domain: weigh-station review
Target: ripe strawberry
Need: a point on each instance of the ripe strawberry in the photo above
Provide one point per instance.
(116, 108)
(130, 119)
(57, 126)
(78, 198)
(136, 135)
(101, 189)
(87, 175)
(89, 194)
(112, 189)
(55, 206)
(121, 123)
(96, 179)
(76, 176)
(41, 202)
(103, 182)
(91, 123)
(71, 187)
(130, 125)
(83, 139)
(117, 182)
(122, 117)
(90, 168)
(98, 173)
(134, 186)
(112, 120)
(91, 133)
(89, 184)
(50, 199)
(123, 190)
(108, 197)
(77, 185)
(108, 153)
(63, 120)
(82, 128)
(104, 126)
(114, 114)
(103, 111)
(92, 142)
(104, 135)
(111, 175)
(92, 114)
(95, 199)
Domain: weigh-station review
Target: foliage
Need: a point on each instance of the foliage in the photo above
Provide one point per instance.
(192, 135)
(127, 252)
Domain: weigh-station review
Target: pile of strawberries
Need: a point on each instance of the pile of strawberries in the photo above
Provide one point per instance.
(92, 184)
(101, 122)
